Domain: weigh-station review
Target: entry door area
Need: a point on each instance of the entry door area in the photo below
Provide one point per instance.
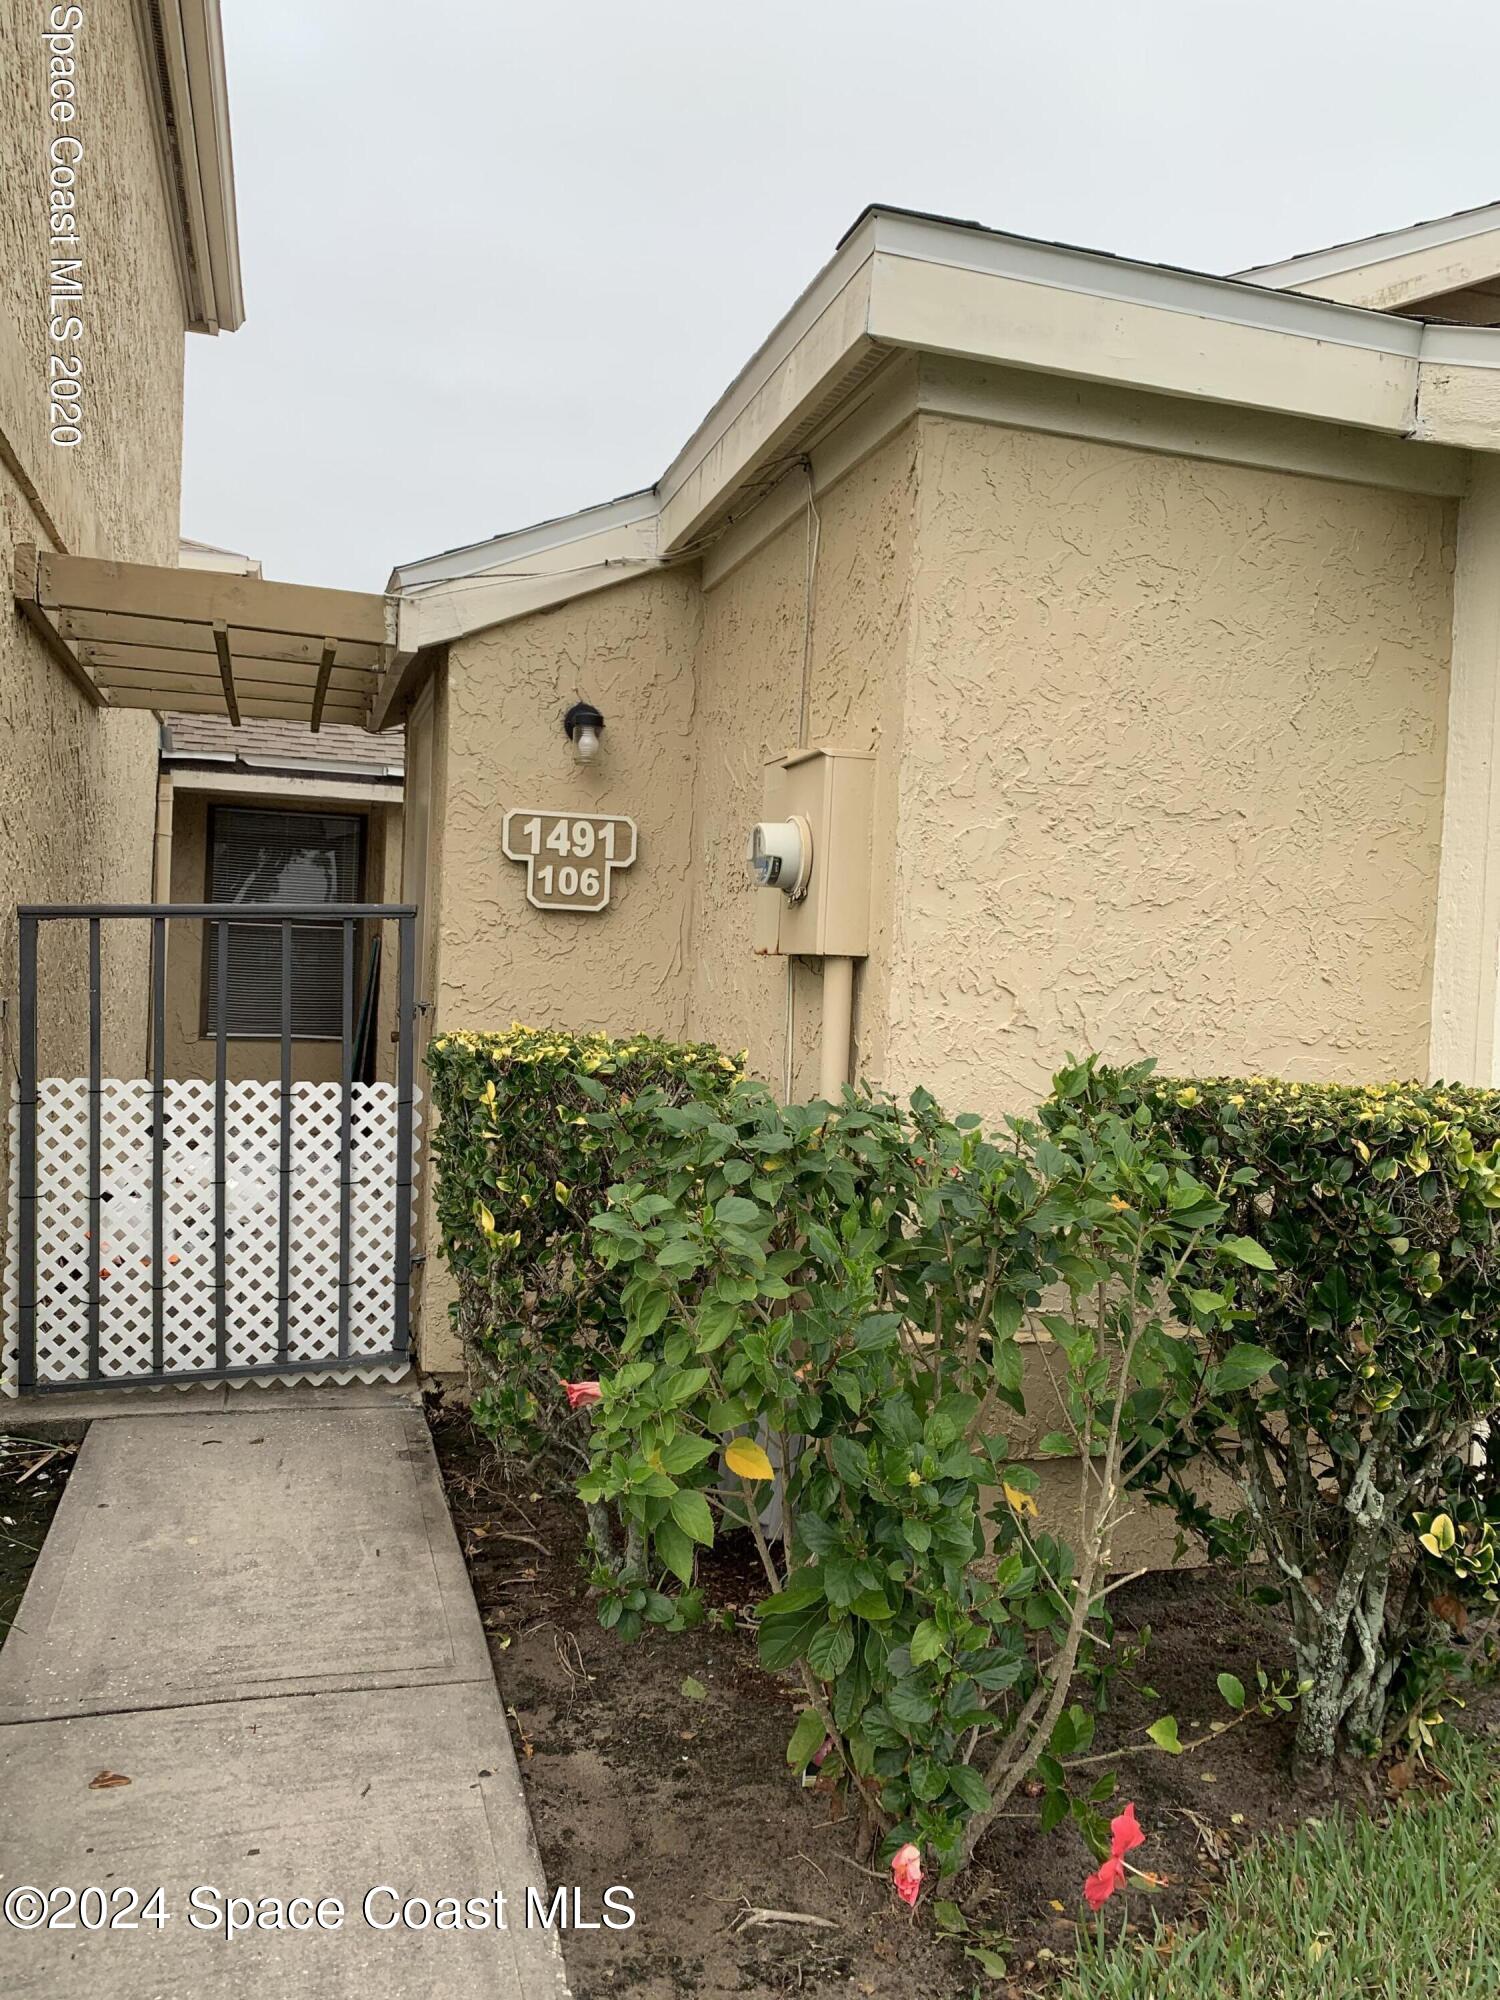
(170, 1229)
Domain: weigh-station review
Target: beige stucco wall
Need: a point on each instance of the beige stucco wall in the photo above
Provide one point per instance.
(1160, 771)
(750, 670)
(629, 650)
(496, 737)
(77, 786)
(1173, 768)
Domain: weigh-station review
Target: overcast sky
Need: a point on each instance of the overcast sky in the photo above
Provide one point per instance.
(499, 260)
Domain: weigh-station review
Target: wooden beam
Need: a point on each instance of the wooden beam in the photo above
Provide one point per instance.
(283, 707)
(226, 670)
(210, 597)
(27, 563)
(313, 784)
(320, 692)
(341, 705)
(166, 667)
(407, 665)
(165, 635)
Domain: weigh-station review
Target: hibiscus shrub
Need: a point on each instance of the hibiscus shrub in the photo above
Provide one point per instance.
(824, 1308)
(529, 1122)
(1376, 1298)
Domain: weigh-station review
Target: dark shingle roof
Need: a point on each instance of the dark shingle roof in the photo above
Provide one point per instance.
(284, 745)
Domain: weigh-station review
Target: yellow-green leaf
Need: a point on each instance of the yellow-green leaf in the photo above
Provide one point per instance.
(1018, 1502)
(1440, 1537)
(745, 1457)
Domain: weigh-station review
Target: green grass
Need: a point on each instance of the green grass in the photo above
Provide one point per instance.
(1391, 1908)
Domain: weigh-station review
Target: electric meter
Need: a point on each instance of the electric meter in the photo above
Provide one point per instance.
(780, 855)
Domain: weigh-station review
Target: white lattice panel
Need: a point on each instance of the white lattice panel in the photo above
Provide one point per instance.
(252, 1173)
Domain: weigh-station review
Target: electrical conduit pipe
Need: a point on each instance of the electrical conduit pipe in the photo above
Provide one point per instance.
(838, 1027)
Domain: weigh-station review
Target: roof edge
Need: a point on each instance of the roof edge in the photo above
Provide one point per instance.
(1336, 259)
(182, 54)
(511, 544)
(903, 280)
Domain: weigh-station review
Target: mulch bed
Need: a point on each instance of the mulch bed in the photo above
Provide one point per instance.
(689, 1802)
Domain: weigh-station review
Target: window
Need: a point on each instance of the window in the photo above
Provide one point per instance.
(265, 856)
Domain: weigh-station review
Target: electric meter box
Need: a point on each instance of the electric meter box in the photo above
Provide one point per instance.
(832, 792)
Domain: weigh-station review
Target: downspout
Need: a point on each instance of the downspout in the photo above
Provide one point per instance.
(838, 973)
(161, 869)
(161, 853)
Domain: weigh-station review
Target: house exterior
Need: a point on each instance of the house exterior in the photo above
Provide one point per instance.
(250, 812)
(263, 810)
(1129, 636)
(117, 233)
(164, 1222)
(1166, 606)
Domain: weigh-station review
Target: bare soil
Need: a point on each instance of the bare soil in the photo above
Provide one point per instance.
(688, 1801)
(32, 1476)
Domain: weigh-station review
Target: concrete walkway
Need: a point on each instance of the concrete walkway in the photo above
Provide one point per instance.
(259, 1615)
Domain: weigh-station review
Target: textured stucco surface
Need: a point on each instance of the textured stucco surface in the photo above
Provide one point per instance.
(750, 666)
(1160, 770)
(1173, 768)
(629, 650)
(77, 786)
(498, 743)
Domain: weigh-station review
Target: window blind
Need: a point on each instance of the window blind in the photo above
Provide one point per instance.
(265, 856)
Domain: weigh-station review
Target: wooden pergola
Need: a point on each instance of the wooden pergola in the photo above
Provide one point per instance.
(201, 642)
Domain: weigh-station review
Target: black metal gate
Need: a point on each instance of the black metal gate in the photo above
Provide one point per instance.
(120, 1183)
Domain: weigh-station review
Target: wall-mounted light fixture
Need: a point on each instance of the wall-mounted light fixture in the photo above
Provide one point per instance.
(582, 725)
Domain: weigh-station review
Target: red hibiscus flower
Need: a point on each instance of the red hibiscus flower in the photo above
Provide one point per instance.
(580, 1394)
(1124, 1836)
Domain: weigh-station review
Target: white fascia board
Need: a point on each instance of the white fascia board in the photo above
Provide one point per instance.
(540, 539)
(1161, 286)
(532, 579)
(284, 784)
(901, 282)
(806, 353)
(1032, 305)
(1367, 251)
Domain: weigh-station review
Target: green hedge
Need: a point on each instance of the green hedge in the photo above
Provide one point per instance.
(1377, 1209)
(520, 1170)
(1333, 1362)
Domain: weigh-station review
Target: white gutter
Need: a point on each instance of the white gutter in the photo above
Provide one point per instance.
(182, 54)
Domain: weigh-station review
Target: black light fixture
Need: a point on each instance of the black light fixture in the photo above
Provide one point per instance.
(582, 725)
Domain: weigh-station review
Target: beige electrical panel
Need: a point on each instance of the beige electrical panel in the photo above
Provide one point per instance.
(829, 795)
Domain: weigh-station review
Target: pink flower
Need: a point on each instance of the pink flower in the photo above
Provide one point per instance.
(906, 1872)
(1125, 1834)
(1102, 1884)
(1124, 1837)
(580, 1394)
